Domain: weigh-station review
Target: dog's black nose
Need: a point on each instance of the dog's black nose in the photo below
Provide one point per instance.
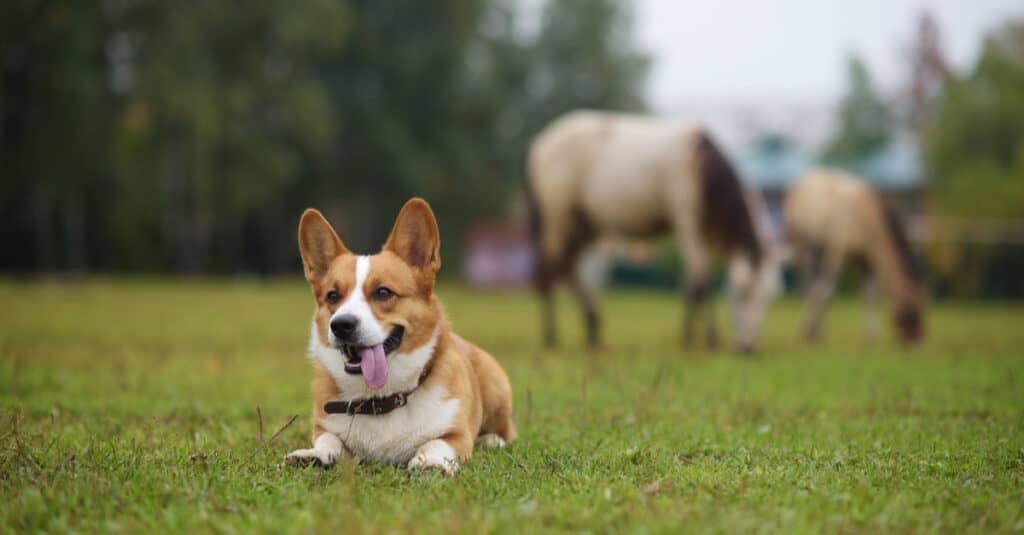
(343, 326)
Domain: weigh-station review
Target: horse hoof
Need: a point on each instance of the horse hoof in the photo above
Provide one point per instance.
(812, 335)
(686, 342)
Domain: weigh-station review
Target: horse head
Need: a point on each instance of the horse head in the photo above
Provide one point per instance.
(752, 287)
(907, 314)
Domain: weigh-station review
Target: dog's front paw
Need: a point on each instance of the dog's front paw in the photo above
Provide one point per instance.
(325, 451)
(422, 461)
(312, 456)
(435, 455)
(491, 440)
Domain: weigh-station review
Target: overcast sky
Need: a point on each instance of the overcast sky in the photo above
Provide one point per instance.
(794, 50)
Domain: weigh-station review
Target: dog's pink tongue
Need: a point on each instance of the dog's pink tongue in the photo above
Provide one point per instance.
(374, 366)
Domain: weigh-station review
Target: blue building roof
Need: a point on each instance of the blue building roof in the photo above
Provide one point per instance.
(774, 163)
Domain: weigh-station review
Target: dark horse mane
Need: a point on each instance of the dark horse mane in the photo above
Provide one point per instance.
(908, 260)
(725, 216)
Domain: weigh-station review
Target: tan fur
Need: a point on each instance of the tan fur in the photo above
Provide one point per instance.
(323, 389)
(407, 265)
(492, 388)
(839, 216)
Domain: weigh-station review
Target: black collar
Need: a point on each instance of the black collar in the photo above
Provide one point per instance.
(371, 406)
(375, 406)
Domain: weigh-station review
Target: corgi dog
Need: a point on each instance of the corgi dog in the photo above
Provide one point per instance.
(393, 383)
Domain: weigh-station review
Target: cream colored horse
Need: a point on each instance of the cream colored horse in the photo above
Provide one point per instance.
(831, 217)
(593, 174)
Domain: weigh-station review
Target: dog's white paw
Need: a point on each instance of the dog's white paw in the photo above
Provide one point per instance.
(491, 440)
(324, 453)
(437, 455)
(310, 456)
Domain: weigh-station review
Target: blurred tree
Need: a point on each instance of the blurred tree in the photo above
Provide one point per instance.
(447, 110)
(584, 57)
(579, 54)
(865, 121)
(975, 150)
(929, 70)
(406, 123)
(224, 110)
(149, 135)
(54, 107)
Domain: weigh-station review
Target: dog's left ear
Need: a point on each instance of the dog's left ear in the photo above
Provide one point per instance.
(415, 237)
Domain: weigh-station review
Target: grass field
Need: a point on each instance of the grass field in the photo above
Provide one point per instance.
(131, 406)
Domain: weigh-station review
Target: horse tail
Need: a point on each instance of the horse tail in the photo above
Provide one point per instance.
(908, 260)
(535, 227)
(725, 216)
(533, 213)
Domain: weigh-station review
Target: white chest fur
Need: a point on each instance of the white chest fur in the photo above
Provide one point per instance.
(395, 436)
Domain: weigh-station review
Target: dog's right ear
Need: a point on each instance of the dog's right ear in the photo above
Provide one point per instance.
(318, 244)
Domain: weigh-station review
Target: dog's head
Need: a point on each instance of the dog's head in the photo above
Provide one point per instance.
(370, 309)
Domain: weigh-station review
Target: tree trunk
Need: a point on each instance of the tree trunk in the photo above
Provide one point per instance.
(74, 231)
(42, 230)
(172, 209)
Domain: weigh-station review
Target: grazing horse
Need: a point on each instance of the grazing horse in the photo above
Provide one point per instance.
(593, 174)
(831, 216)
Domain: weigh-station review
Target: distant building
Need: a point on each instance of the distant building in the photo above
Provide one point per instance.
(773, 163)
(498, 255)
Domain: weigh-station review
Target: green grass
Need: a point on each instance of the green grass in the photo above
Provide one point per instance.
(131, 406)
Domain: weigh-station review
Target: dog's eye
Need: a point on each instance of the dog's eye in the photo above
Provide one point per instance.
(333, 297)
(383, 293)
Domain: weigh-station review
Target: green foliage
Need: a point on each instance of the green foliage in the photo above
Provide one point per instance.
(131, 406)
(975, 151)
(865, 121)
(54, 119)
(219, 121)
(190, 135)
(583, 56)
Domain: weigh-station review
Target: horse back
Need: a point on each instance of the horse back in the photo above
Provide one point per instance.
(624, 173)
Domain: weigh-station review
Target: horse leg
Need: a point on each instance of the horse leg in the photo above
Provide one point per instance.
(712, 325)
(587, 267)
(872, 321)
(545, 287)
(696, 310)
(589, 276)
(820, 292)
(586, 296)
(697, 266)
(807, 264)
(808, 260)
(549, 268)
